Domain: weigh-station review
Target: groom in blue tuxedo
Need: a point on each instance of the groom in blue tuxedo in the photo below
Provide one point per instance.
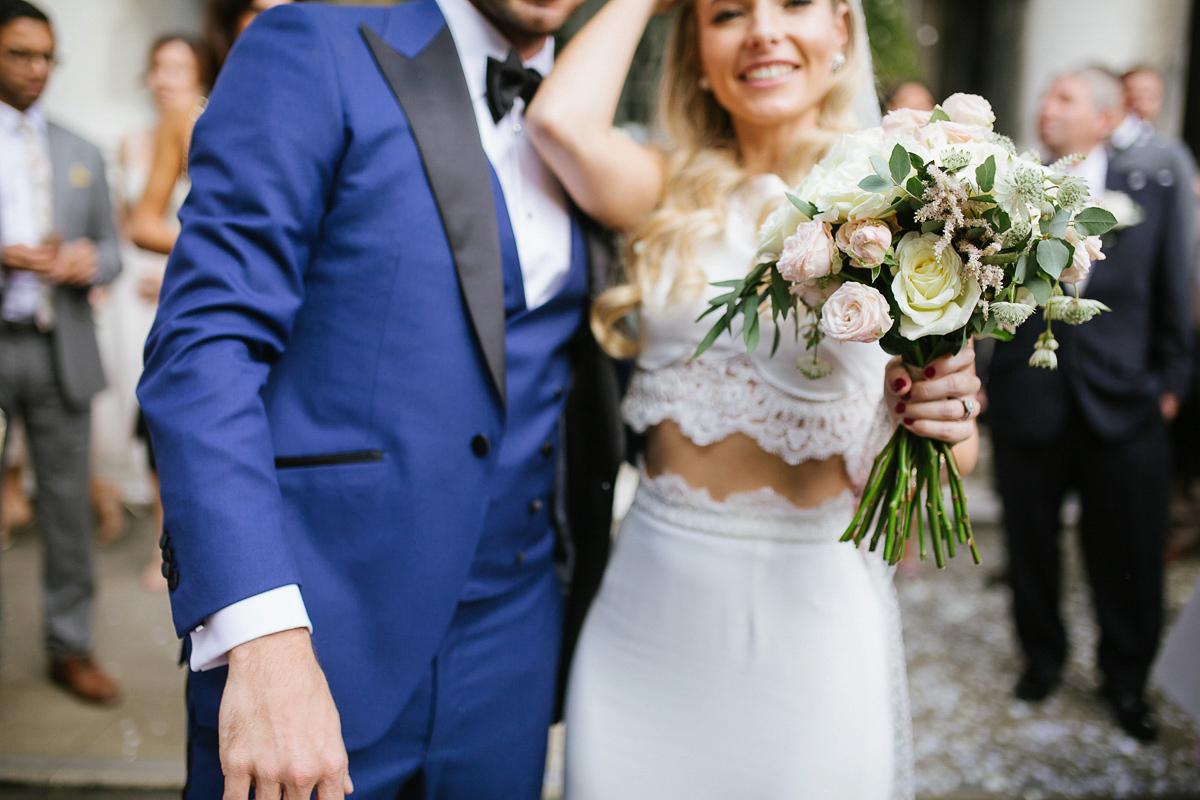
(385, 436)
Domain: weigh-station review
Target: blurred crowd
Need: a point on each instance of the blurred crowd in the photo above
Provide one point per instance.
(80, 291)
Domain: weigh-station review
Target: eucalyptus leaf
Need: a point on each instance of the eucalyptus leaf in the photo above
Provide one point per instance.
(899, 165)
(1053, 256)
(1040, 288)
(803, 206)
(915, 187)
(985, 174)
(874, 183)
(1094, 222)
(775, 343)
(1056, 226)
(933, 226)
(1022, 268)
(880, 164)
(917, 162)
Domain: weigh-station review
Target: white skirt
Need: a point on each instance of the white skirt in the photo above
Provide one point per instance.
(738, 650)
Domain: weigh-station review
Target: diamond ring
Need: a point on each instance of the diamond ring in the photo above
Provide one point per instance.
(968, 407)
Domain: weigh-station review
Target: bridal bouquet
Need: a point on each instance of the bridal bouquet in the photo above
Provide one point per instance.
(921, 234)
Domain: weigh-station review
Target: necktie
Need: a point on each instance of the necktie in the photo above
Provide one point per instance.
(43, 211)
(506, 81)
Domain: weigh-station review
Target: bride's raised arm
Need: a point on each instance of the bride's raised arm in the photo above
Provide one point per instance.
(570, 121)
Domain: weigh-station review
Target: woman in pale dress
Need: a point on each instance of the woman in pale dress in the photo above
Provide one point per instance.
(153, 225)
(122, 312)
(736, 648)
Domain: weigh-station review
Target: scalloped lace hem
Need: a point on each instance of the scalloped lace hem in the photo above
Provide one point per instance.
(711, 401)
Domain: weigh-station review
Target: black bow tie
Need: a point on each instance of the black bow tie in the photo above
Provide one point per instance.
(506, 81)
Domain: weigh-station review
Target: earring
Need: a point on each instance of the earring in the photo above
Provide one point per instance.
(704, 83)
(839, 61)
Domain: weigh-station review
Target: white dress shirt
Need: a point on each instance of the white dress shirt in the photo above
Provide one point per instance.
(19, 216)
(538, 211)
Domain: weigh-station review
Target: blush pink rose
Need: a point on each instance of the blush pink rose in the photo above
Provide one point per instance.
(856, 313)
(969, 109)
(1087, 251)
(938, 134)
(808, 254)
(866, 241)
(904, 121)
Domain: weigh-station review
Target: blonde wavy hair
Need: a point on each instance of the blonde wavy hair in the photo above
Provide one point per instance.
(704, 169)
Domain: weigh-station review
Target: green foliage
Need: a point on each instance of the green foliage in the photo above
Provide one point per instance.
(893, 45)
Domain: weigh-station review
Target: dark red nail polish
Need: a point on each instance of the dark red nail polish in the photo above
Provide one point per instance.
(908, 421)
(897, 385)
(929, 372)
(900, 408)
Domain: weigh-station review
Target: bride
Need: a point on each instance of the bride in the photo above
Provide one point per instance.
(736, 648)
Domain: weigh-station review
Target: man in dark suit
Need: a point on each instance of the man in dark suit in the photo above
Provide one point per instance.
(385, 437)
(1098, 423)
(59, 240)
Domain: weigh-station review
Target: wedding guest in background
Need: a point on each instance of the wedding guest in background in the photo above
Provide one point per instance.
(1098, 424)
(59, 240)
(152, 221)
(909, 94)
(1144, 91)
(124, 316)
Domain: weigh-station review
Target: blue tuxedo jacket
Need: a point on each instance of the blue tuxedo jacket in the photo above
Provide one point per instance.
(1114, 367)
(324, 383)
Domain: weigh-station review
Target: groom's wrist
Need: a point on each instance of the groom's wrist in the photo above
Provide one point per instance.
(276, 610)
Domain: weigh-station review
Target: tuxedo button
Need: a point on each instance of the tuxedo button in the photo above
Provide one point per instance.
(535, 506)
(558, 393)
(547, 449)
(480, 445)
(173, 580)
(166, 570)
(168, 554)
(162, 540)
(519, 559)
(606, 485)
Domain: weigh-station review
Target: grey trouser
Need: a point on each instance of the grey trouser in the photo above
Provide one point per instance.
(58, 446)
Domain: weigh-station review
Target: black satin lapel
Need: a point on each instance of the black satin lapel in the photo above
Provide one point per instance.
(433, 93)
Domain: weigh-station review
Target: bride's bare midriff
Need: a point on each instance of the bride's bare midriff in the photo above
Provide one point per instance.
(738, 464)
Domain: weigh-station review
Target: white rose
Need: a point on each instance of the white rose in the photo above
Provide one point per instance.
(969, 109)
(866, 241)
(856, 313)
(808, 254)
(832, 185)
(779, 224)
(934, 295)
(1087, 250)
(904, 121)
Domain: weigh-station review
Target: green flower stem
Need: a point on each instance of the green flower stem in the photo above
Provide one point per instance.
(872, 494)
(960, 510)
(899, 488)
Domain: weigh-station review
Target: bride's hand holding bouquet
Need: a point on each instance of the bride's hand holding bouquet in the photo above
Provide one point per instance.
(921, 234)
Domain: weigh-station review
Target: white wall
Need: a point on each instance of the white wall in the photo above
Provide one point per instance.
(1065, 34)
(97, 89)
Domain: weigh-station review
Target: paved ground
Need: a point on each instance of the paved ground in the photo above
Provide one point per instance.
(973, 742)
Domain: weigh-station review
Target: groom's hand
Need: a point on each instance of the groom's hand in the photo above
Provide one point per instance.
(279, 729)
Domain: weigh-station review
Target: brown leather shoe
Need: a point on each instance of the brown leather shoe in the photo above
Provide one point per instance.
(80, 676)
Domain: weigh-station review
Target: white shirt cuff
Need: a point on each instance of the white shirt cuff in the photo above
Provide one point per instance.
(272, 611)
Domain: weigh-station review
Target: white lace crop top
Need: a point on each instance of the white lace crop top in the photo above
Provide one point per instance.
(765, 397)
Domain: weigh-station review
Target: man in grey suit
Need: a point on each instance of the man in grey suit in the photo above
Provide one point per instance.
(58, 239)
(1098, 424)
